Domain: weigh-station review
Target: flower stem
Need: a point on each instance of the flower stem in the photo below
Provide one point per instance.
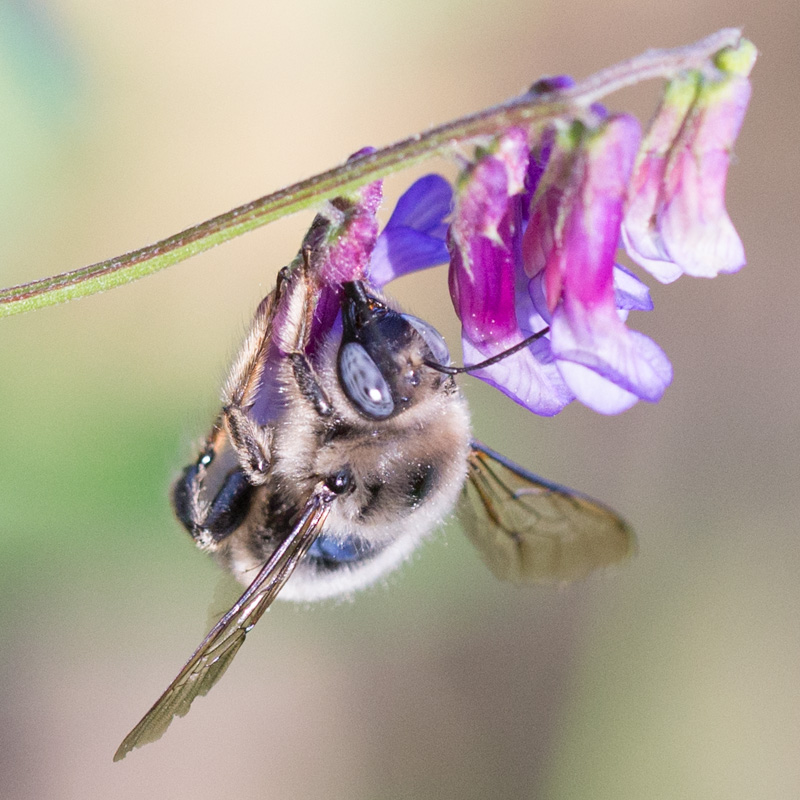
(529, 110)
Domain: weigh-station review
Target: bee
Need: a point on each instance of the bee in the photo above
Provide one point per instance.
(331, 460)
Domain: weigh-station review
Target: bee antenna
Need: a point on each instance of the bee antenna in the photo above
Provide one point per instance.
(447, 370)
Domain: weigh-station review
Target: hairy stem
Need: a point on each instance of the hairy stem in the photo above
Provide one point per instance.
(530, 110)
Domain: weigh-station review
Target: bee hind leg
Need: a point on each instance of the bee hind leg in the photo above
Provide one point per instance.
(209, 522)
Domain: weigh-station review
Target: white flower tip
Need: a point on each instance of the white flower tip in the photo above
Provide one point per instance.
(710, 251)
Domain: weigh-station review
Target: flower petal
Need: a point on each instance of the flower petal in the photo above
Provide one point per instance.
(695, 227)
(590, 233)
(676, 220)
(482, 242)
(640, 236)
(423, 206)
(620, 359)
(630, 294)
(607, 366)
(414, 237)
(343, 235)
(529, 377)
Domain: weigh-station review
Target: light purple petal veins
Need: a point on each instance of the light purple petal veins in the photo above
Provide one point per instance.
(695, 227)
(607, 366)
(630, 294)
(529, 377)
(414, 237)
(640, 233)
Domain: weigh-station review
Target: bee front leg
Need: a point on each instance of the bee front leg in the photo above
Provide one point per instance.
(309, 385)
(251, 442)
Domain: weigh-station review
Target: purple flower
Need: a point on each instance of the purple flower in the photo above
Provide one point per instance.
(340, 242)
(414, 237)
(607, 366)
(343, 245)
(511, 276)
(485, 277)
(675, 220)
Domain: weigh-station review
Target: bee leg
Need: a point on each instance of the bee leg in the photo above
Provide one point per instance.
(210, 522)
(251, 442)
(309, 385)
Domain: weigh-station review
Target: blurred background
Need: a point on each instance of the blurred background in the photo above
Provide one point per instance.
(675, 676)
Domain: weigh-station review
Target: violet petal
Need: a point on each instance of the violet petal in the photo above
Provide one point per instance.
(414, 237)
(627, 359)
(630, 294)
(529, 377)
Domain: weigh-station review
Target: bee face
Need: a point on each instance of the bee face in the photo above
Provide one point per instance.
(382, 354)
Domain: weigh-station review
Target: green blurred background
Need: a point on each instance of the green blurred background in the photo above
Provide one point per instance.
(676, 676)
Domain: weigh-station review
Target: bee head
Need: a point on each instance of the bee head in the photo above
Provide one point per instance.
(382, 355)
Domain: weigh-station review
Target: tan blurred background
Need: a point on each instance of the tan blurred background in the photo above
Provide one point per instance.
(675, 677)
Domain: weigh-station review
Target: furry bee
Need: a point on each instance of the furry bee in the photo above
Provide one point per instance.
(330, 461)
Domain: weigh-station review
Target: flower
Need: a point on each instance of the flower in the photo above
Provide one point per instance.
(414, 236)
(484, 242)
(549, 261)
(676, 221)
(579, 207)
(343, 245)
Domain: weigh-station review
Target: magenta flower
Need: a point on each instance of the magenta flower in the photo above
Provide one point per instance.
(577, 212)
(676, 221)
(485, 276)
(344, 245)
(517, 268)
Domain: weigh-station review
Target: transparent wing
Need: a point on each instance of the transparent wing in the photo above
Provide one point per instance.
(217, 650)
(527, 529)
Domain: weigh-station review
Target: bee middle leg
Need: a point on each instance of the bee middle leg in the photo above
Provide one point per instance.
(213, 495)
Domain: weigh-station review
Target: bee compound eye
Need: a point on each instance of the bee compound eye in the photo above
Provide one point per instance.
(341, 481)
(432, 337)
(363, 382)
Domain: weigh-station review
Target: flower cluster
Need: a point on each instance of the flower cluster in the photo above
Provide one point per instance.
(536, 220)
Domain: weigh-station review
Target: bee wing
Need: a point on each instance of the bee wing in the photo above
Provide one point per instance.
(529, 530)
(217, 650)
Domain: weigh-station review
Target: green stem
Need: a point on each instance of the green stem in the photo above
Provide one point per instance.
(530, 110)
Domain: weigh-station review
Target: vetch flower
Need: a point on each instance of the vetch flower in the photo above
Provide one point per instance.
(485, 263)
(515, 269)
(414, 236)
(576, 212)
(676, 221)
(534, 229)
